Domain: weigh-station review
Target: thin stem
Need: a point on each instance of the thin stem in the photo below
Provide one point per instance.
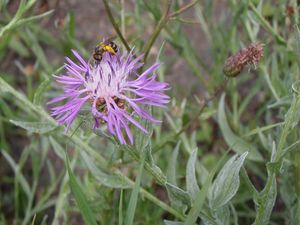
(162, 22)
(183, 8)
(115, 25)
(5, 87)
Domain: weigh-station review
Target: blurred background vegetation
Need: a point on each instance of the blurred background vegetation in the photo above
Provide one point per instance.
(191, 39)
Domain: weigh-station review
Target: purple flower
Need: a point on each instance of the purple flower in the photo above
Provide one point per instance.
(113, 89)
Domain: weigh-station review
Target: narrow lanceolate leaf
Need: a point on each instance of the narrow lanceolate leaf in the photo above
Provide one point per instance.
(80, 198)
(191, 181)
(171, 173)
(235, 142)
(227, 182)
(40, 91)
(17, 171)
(33, 18)
(58, 149)
(35, 127)
(112, 181)
(121, 208)
(134, 194)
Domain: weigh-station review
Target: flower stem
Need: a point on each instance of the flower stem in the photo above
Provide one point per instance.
(162, 22)
(115, 25)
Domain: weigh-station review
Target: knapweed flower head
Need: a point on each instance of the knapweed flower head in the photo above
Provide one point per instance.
(246, 56)
(113, 90)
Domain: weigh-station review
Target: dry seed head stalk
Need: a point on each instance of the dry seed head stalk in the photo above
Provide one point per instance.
(246, 56)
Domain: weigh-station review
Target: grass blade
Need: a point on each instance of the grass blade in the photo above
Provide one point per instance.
(134, 194)
(15, 168)
(121, 208)
(80, 198)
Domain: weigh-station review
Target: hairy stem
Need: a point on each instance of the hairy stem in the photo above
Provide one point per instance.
(288, 125)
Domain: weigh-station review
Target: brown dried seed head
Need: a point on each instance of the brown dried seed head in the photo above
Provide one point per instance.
(236, 63)
(233, 66)
(254, 53)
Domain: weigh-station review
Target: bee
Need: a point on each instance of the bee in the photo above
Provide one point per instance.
(105, 46)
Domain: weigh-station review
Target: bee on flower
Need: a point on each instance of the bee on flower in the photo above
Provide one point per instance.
(113, 90)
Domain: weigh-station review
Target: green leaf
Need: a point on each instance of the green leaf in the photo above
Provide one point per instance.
(247, 182)
(298, 45)
(4, 87)
(217, 217)
(40, 91)
(191, 181)
(171, 173)
(58, 149)
(35, 127)
(227, 182)
(261, 129)
(200, 199)
(121, 208)
(32, 42)
(169, 222)
(134, 194)
(112, 181)
(236, 143)
(33, 18)
(17, 171)
(294, 113)
(18, 46)
(178, 196)
(80, 198)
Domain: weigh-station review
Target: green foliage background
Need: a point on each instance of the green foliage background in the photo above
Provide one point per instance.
(226, 153)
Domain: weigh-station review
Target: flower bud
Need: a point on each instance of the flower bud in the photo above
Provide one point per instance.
(246, 56)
